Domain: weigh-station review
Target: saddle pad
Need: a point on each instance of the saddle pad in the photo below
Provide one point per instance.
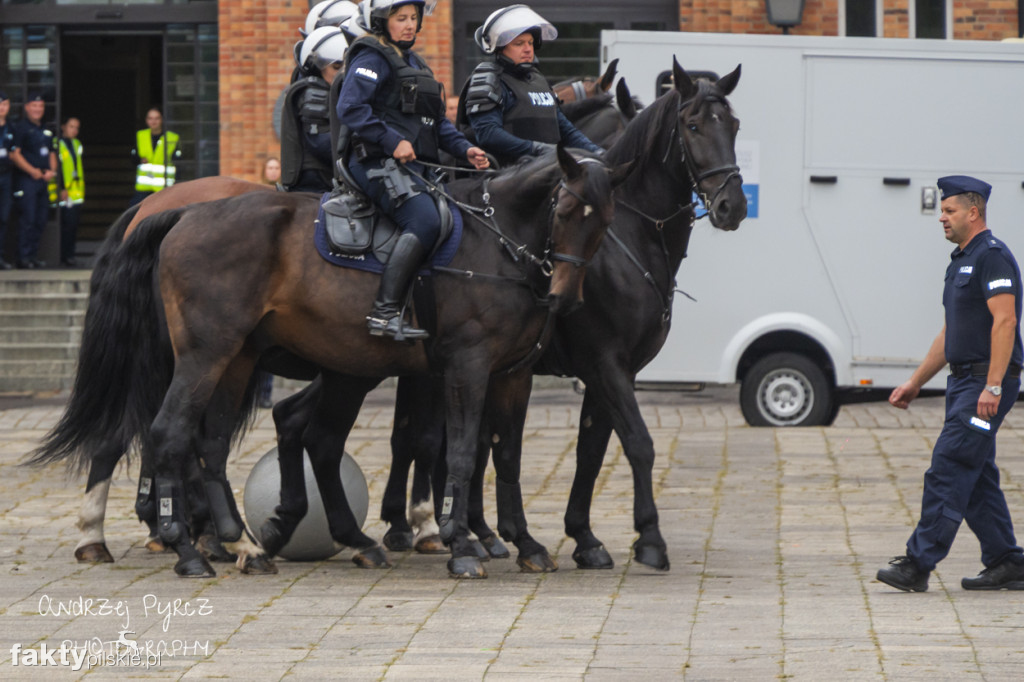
(368, 262)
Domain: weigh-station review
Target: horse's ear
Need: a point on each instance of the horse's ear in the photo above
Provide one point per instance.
(624, 98)
(727, 83)
(570, 167)
(609, 75)
(618, 175)
(683, 82)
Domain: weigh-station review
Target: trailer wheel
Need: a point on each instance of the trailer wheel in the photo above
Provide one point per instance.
(786, 389)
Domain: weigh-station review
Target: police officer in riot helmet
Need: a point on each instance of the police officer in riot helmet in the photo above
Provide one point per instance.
(306, 160)
(329, 13)
(507, 101)
(394, 110)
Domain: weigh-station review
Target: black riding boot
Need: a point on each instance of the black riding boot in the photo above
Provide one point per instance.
(386, 316)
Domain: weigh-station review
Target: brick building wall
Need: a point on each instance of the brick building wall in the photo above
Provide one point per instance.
(257, 36)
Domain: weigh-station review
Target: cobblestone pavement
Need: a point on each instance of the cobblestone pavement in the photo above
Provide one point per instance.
(774, 534)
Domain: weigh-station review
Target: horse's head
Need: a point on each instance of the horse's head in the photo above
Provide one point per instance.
(707, 134)
(583, 210)
(577, 89)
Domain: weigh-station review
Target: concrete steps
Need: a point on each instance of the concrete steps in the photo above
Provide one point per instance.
(41, 317)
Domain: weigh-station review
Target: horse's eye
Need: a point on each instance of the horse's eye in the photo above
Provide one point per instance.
(692, 127)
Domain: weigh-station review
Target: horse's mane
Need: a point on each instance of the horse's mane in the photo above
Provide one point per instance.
(652, 129)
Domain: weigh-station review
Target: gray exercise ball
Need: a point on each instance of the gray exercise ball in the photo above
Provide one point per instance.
(312, 538)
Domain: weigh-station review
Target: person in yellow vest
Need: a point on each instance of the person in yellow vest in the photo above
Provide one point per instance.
(155, 152)
(70, 188)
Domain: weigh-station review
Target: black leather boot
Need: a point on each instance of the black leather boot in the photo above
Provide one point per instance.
(386, 317)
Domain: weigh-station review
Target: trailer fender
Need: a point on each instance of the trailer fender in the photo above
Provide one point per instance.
(793, 322)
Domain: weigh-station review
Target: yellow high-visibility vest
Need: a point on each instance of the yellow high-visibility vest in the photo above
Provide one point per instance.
(70, 168)
(157, 171)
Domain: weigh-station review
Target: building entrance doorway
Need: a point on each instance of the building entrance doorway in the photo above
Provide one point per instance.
(108, 81)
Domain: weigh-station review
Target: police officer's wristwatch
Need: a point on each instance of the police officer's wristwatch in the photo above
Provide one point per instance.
(995, 390)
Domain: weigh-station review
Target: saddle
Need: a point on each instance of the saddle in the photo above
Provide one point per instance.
(354, 226)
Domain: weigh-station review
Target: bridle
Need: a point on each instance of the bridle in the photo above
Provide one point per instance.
(697, 176)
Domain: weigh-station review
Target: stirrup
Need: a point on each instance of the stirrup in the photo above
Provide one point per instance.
(394, 327)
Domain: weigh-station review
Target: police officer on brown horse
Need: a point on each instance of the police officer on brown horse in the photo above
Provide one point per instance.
(394, 109)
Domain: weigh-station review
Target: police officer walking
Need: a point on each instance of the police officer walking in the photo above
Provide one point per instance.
(507, 101)
(982, 344)
(34, 158)
(70, 188)
(6, 190)
(306, 156)
(395, 110)
(154, 153)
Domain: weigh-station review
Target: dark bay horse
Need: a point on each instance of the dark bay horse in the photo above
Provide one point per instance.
(281, 294)
(603, 118)
(683, 143)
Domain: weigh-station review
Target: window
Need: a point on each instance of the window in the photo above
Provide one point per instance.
(930, 18)
(861, 18)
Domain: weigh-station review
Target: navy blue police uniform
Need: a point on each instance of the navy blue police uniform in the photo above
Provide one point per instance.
(511, 108)
(35, 143)
(962, 482)
(381, 112)
(6, 189)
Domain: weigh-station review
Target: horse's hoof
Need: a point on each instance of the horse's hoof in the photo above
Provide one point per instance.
(399, 540)
(541, 562)
(211, 548)
(495, 547)
(478, 549)
(466, 567)
(94, 553)
(155, 545)
(196, 567)
(650, 555)
(371, 557)
(594, 557)
(430, 544)
(258, 564)
(272, 539)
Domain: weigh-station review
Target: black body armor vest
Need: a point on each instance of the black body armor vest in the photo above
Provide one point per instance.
(306, 110)
(413, 107)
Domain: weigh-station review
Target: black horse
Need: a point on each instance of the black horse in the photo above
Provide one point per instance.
(272, 291)
(603, 118)
(681, 144)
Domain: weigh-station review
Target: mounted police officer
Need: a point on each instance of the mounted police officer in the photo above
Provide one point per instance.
(508, 103)
(6, 166)
(982, 344)
(394, 109)
(306, 161)
(33, 156)
(155, 152)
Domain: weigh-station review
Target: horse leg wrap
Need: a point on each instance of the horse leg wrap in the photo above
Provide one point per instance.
(171, 513)
(145, 504)
(451, 506)
(225, 515)
(511, 519)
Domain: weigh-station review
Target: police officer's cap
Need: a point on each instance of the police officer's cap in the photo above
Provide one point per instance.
(951, 185)
(35, 97)
(3, 96)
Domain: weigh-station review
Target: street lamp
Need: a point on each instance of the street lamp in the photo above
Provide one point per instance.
(785, 13)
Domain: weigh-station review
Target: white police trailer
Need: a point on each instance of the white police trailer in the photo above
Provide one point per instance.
(831, 290)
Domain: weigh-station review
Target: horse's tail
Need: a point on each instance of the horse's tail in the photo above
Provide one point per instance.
(124, 361)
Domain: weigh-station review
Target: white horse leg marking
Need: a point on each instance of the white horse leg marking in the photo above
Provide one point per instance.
(421, 518)
(92, 514)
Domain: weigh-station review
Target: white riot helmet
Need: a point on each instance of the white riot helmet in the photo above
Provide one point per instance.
(353, 27)
(329, 13)
(504, 25)
(375, 13)
(321, 48)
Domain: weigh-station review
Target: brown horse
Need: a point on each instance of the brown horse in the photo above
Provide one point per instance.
(576, 89)
(273, 291)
